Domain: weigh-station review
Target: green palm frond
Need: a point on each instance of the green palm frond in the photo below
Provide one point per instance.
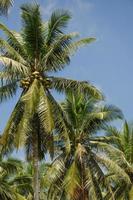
(108, 113)
(54, 178)
(33, 33)
(56, 57)
(11, 165)
(92, 185)
(10, 51)
(4, 6)
(74, 46)
(58, 21)
(13, 65)
(68, 85)
(114, 168)
(14, 39)
(7, 139)
(60, 123)
(45, 111)
(72, 182)
(8, 91)
(30, 97)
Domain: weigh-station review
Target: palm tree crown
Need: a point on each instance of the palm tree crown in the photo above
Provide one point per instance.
(27, 59)
(123, 140)
(79, 174)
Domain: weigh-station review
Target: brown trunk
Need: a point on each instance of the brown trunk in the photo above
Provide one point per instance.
(35, 167)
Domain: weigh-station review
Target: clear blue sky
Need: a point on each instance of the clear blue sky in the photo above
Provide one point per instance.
(107, 63)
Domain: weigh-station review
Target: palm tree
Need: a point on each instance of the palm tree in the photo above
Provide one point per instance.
(28, 58)
(123, 140)
(79, 175)
(9, 182)
(4, 6)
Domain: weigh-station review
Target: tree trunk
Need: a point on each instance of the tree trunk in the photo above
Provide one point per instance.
(36, 184)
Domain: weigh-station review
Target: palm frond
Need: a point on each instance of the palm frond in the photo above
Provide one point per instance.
(108, 113)
(4, 6)
(33, 33)
(57, 23)
(14, 66)
(7, 91)
(11, 165)
(114, 168)
(45, 111)
(60, 123)
(74, 46)
(11, 52)
(72, 182)
(68, 85)
(7, 139)
(55, 58)
(14, 39)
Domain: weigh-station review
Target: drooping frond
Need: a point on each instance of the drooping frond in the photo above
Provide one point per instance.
(114, 168)
(74, 46)
(61, 124)
(45, 111)
(10, 51)
(14, 39)
(72, 182)
(8, 136)
(8, 91)
(14, 66)
(68, 85)
(30, 98)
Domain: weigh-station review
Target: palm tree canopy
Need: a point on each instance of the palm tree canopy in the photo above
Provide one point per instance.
(123, 140)
(79, 174)
(27, 59)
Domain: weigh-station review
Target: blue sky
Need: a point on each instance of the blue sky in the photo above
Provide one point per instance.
(108, 62)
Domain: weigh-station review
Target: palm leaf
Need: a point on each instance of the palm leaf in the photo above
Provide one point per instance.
(4, 6)
(68, 85)
(58, 21)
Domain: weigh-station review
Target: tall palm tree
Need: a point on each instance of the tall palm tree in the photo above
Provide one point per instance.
(5, 5)
(79, 175)
(27, 59)
(123, 140)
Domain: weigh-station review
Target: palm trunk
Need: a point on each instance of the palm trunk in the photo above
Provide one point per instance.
(35, 168)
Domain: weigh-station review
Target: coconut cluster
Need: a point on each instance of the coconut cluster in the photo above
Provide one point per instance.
(25, 83)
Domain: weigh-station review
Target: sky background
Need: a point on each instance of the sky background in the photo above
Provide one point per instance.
(106, 63)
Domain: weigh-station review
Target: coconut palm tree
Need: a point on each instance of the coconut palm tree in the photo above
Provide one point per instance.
(123, 140)
(27, 59)
(79, 175)
(10, 184)
(5, 5)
